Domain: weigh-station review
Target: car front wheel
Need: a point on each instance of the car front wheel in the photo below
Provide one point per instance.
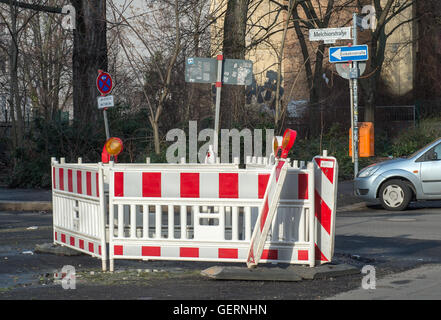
(395, 195)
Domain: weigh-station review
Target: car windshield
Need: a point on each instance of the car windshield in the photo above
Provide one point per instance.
(418, 151)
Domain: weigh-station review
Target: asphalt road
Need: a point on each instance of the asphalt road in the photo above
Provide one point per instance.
(392, 242)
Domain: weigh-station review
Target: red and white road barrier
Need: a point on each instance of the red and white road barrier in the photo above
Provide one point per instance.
(208, 213)
(272, 211)
(78, 208)
(325, 194)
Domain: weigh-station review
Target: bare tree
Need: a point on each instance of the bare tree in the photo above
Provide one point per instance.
(386, 13)
(89, 56)
(234, 47)
(148, 34)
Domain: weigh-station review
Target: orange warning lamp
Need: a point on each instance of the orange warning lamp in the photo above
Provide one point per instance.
(289, 137)
(277, 144)
(114, 146)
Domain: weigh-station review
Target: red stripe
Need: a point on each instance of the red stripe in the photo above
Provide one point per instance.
(56, 236)
(69, 180)
(99, 250)
(97, 184)
(72, 241)
(189, 252)
(322, 212)
(151, 251)
(263, 183)
(61, 176)
(63, 238)
(302, 255)
(228, 253)
(90, 247)
(118, 250)
(79, 182)
(151, 184)
(264, 214)
(81, 244)
(229, 185)
(189, 185)
(89, 183)
(119, 184)
(270, 254)
(303, 186)
(328, 172)
(319, 255)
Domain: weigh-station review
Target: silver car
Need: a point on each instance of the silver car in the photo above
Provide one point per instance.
(397, 182)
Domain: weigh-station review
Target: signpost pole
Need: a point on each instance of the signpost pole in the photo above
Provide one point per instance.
(106, 124)
(104, 84)
(355, 98)
(218, 101)
(351, 91)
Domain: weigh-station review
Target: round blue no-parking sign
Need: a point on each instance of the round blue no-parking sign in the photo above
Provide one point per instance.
(104, 83)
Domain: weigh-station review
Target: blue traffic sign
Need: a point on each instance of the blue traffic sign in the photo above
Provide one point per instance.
(346, 54)
(104, 83)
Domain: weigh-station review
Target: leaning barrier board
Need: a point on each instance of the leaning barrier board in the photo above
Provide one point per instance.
(79, 208)
(206, 214)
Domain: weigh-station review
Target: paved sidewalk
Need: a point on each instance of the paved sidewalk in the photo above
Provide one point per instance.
(25, 199)
(423, 283)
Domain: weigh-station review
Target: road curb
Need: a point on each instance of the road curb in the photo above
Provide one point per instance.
(25, 205)
(350, 207)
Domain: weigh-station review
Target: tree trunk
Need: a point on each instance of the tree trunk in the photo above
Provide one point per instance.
(89, 55)
(233, 97)
(370, 85)
(155, 126)
(14, 94)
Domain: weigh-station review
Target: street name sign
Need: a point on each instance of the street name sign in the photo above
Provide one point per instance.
(330, 35)
(346, 54)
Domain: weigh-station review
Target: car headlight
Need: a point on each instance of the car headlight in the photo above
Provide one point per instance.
(369, 171)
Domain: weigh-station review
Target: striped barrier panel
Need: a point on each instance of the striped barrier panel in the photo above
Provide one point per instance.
(79, 208)
(325, 194)
(302, 187)
(206, 214)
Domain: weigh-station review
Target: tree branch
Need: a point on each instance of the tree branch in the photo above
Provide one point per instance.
(36, 7)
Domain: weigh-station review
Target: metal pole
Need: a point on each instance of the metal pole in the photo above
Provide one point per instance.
(355, 93)
(106, 124)
(218, 101)
(352, 117)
